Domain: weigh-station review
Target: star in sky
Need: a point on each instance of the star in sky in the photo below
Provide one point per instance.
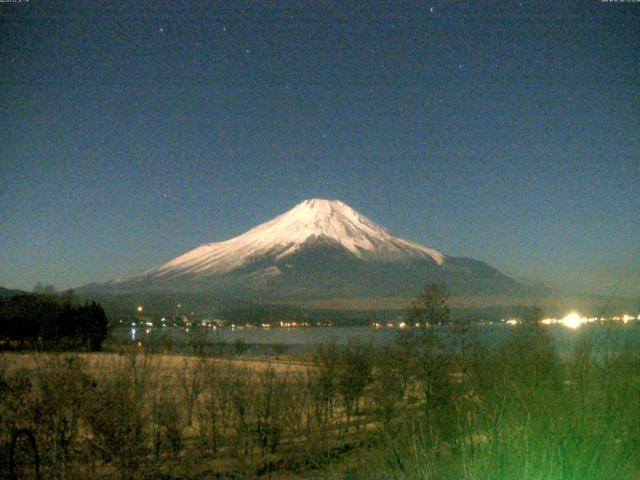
(450, 117)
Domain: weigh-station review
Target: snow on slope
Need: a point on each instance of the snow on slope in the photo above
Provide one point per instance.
(288, 232)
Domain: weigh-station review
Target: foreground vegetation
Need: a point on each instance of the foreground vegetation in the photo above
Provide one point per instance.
(406, 411)
(412, 409)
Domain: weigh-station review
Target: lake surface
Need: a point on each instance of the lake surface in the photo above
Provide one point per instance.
(613, 336)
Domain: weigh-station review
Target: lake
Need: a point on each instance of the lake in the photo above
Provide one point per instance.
(614, 336)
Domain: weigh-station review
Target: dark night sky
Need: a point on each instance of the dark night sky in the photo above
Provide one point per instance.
(503, 131)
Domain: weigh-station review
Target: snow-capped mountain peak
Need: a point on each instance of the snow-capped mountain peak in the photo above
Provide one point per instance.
(315, 219)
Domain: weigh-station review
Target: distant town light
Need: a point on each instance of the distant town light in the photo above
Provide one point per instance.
(573, 320)
(139, 308)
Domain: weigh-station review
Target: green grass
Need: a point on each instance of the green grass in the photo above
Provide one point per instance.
(527, 414)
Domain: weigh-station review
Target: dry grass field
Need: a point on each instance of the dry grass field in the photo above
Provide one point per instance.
(105, 361)
(138, 415)
(404, 411)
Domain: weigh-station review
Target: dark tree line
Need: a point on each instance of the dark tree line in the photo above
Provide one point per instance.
(44, 321)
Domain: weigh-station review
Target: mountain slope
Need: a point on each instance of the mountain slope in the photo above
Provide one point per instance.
(8, 292)
(332, 221)
(318, 249)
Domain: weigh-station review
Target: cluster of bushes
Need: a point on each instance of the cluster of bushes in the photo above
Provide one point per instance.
(45, 321)
(519, 410)
(138, 416)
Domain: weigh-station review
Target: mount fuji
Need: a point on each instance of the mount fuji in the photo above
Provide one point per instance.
(320, 249)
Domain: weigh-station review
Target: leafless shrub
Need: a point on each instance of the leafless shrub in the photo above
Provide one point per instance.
(117, 415)
(388, 384)
(272, 400)
(167, 419)
(61, 401)
(240, 347)
(353, 374)
(197, 339)
(279, 349)
(241, 397)
(191, 382)
(216, 408)
(321, 382)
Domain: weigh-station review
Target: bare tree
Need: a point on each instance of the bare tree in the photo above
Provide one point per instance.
(117, 414)
(241, 396)
(322, 382)
(271, 403)
(388, 385)
(191, 382)
(167, 423)
(352, 376)
(431, 308)
(216, 411)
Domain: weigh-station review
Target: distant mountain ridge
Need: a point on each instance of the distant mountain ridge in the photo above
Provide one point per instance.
(8, 292)
(317, 250)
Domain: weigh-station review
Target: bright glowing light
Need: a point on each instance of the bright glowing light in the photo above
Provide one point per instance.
(573, 320)
(139, 308)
